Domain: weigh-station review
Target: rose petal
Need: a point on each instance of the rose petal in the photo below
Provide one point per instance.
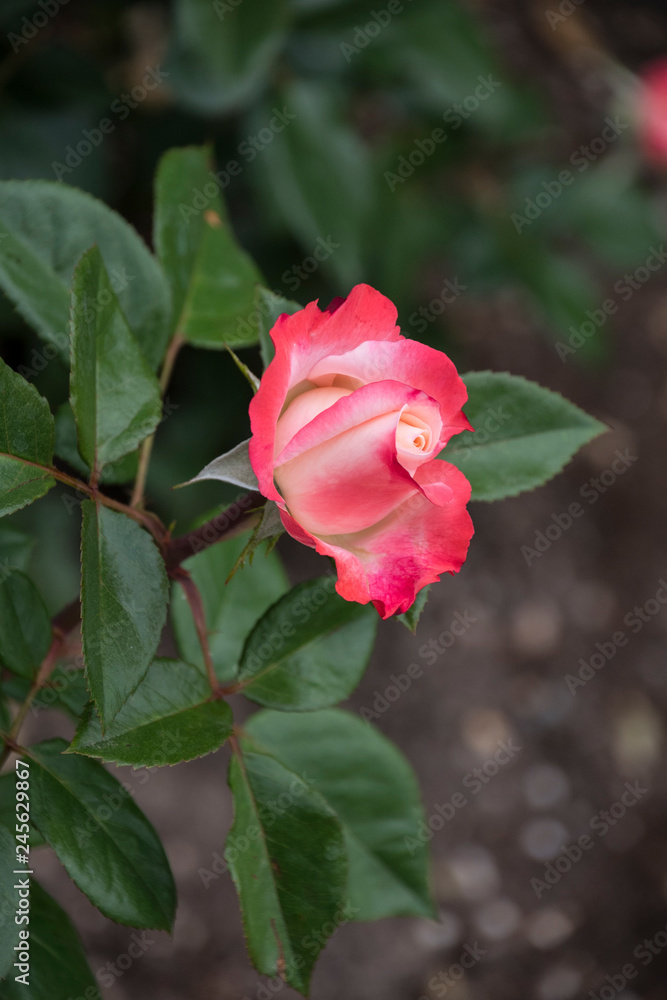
(303, 410)
(406, 361)
(389, 563)
(353, 409)
(651, 110)
(301, 341)
(348, 482)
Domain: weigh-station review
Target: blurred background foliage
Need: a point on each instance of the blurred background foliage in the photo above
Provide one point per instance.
(330, 112)
(322, 204)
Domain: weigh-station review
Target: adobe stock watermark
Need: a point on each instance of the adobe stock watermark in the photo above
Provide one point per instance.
(312, 942)
(294, 276)
(58, 345)
(120, 108)
(240, 843)
(600, 825)
(247, 150)
(219, 525)
(645, 952)
(634, 620)
(430, 651)
(443, 981)
(474, 781)
(111, 801)
(249, 324)
(90, 993)
(591, 491)
(224, 7)
(581, 158)
(566, 8)
(455, 117)
(449, 293)
(269, 642)
(139, 944)
(364, 34)
(624, 288)
(486, 427)
(31, 26)
(58, 683)
(6, 569)
(74, 498)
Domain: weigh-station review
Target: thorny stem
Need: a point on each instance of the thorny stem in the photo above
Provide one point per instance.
(239, 516)
(194, 599)
(150, 521)
(147, 447)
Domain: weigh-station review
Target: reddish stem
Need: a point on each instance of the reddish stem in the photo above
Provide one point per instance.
(238, 517)
(194, 599)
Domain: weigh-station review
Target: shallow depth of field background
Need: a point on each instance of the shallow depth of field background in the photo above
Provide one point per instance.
(367, 90)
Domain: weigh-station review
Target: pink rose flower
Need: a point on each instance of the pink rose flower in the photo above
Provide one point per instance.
(652, 111)
(346, 426)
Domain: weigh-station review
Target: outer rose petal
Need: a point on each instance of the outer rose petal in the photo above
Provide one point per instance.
(301, 341)
(342, 472)
(349, 482)
(389, 563)
(405, 361)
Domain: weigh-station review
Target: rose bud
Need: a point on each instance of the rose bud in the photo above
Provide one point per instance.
(347, 424)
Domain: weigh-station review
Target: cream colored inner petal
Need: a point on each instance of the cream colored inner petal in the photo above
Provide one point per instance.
(303, 409)
(339, 381)
(413, 434)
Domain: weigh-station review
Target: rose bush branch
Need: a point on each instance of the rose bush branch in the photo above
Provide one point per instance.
(62, 624)
(146, 448)
(147, 519)
(196, 604)
(240, 516)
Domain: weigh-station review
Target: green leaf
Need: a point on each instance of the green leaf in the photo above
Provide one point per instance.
(59, 969)
(222, 52)
(124, 605)
(104, 841)
(67, 448)
(309, 650)
(9, 930)
(233, 467)
(168, 719)
(269, 307)
(318, 175)
(212, 279)
(232, 608)
(410, 618)
(46, 227)
(563, 291)
(625, 237)
(287, 858)
(26, 440)
(15, 548)
(5, 716)
(439, 47)
(268, 529)
(114, 394)
(65, 690)
(373, 791)
(25, 627)
(524, 435)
